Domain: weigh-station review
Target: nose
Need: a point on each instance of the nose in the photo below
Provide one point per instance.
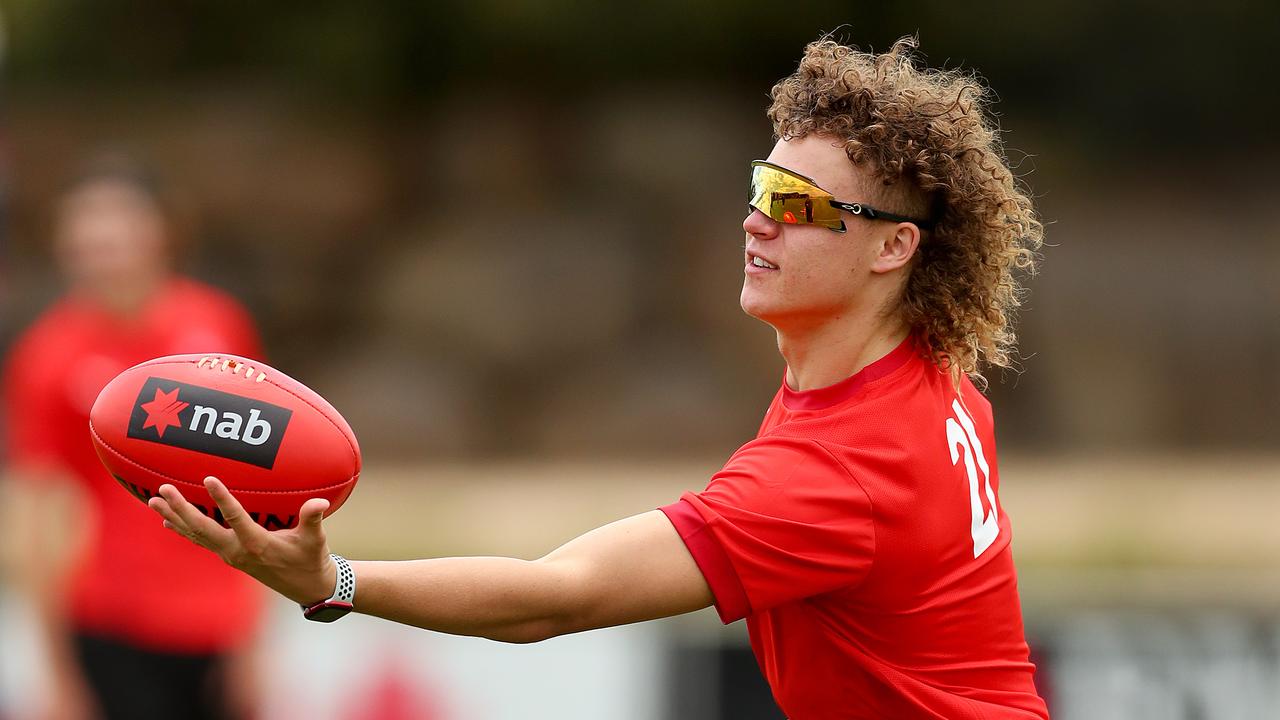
(761, 226)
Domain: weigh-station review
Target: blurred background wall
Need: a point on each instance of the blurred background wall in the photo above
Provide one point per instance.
(499, 214)
(505, 234)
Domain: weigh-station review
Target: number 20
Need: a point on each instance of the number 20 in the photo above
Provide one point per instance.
(961, 434)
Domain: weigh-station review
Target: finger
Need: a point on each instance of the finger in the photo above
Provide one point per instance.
(171, 519)
(250, 533)
(200, 529)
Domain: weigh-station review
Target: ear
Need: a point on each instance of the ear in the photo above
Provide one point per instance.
(897, 248)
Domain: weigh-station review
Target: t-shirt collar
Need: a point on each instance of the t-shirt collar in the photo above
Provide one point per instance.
(831, 395)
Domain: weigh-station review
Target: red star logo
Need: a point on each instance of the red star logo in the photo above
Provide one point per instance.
(163, 411)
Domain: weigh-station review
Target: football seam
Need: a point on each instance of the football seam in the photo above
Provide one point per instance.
(355, 452)
(171, 478)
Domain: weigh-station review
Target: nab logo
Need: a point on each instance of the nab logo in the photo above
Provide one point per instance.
(208, 421)
(256, 430)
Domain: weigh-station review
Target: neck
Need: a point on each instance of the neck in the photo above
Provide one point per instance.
(824, 354)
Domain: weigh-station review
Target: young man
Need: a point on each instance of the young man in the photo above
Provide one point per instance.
(860, 534)
(129, 600)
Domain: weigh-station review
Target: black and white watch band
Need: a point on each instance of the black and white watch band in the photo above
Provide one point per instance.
(344, 589)
(344, 594)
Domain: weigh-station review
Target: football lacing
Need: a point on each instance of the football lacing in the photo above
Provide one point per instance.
(233, 365)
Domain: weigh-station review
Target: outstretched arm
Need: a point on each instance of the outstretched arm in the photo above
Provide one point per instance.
(634, 569)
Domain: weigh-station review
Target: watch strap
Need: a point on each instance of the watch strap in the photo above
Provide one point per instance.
(344, 589)
(344, 593)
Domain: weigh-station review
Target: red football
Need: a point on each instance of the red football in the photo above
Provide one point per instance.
(272, 440)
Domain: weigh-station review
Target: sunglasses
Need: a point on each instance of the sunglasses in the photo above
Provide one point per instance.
(794, 199)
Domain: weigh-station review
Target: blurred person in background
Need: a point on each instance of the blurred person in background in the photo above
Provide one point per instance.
(859, 534)
(122, 605)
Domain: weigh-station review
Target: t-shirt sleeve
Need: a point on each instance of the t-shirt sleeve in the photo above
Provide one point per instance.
(782, 521)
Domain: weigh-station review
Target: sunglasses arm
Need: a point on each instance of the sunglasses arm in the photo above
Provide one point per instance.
(869, 212)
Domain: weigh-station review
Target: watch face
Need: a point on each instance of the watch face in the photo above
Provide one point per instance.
(327, 612)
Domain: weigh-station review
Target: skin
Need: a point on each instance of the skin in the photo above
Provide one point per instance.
(827, 300)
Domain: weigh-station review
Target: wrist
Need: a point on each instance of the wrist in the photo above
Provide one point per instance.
(340, 602)
(325, 585)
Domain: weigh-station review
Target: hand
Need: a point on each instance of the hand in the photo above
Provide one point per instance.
(243, 681)
(294, 563)
(69, 698)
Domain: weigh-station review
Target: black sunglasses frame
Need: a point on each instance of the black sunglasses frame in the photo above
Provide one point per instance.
(873, 214)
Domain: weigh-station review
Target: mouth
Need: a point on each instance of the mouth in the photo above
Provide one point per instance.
(756, 262)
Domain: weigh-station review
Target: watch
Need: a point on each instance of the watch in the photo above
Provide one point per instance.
(339, 604)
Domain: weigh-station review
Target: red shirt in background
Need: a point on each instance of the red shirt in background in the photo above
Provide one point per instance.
(860, 534)
(136, 582)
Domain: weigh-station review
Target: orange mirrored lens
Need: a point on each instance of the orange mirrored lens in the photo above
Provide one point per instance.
(790, 198)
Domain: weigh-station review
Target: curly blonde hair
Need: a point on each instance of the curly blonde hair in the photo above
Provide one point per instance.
(928, 129)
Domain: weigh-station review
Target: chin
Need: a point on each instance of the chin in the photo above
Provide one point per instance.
(749, 303)
(757, 307)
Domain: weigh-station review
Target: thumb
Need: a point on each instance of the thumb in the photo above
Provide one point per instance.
(312, 513)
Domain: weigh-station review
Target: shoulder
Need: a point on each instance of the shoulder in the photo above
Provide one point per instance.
(194, 293)
(781, 454)
(193, 298)
(49, 335)
(974, 401)
(195, 317)
(782, 470)
(37, 361)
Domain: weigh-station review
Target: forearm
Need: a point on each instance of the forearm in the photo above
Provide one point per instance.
(627, 571)
(498, 598)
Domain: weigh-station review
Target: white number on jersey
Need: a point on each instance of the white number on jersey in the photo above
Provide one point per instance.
(961, 436)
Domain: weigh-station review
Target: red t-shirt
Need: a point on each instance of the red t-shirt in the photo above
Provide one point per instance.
(861, 536)
(136, 582)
